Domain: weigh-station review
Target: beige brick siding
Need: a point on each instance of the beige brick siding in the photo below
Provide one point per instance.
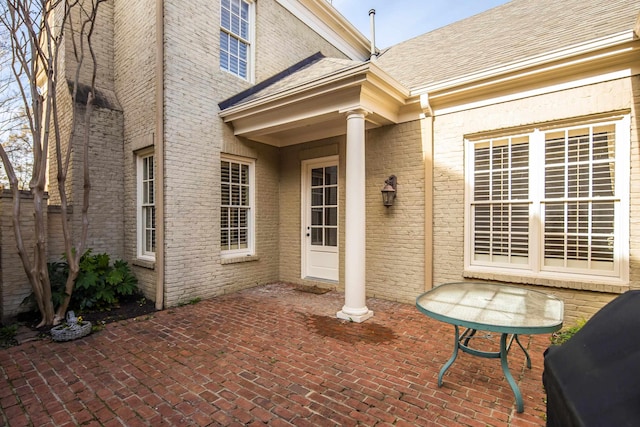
(578, 305)
(195, 137)
(395, 235)
(279, 44)
(106, 179)
(101, 41)
(105, 150)
(290, 228)
(448, 199)
(134, 75)
(14, 285)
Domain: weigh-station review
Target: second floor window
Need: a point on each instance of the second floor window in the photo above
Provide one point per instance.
(235, 37)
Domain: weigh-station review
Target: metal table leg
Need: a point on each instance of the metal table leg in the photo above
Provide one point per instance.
(525, 352)
(504, 349)
(456, 344)
(461, 342)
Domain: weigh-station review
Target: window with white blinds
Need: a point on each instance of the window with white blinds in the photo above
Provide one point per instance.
(235, 37)
(554, 200)
(579, 198)
(236, 209)
(501, 200)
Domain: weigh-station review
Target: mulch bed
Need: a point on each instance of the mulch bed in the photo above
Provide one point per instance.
(127, 309)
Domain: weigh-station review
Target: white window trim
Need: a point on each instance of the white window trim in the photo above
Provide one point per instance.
(533, 271)
(251, 56)
(140, 222)
(250, 249)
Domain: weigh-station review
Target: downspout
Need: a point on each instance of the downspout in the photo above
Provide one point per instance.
(427, 158)
(159, 154)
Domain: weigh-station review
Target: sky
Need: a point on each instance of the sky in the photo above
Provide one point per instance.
(400, 20)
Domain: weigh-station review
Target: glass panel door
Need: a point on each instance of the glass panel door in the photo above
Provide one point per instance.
(320, 205)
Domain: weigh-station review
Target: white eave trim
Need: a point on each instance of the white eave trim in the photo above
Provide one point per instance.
(325, 20)
(579, 49)
(353, 72)
(346, 77)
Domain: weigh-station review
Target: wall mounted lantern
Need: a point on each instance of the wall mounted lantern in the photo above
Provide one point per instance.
(389, 191)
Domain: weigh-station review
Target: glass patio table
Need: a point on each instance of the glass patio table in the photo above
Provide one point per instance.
(507, 310)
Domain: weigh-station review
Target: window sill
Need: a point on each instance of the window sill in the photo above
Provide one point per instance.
(151, 265)
(612, 285)
(237, 260)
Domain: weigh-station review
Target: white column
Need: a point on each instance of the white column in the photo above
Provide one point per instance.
(355, 308)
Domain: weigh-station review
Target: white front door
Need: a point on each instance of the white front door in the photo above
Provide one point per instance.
(320, 218)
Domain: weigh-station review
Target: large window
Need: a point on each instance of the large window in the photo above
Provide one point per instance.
(551, 201)
(146, 207)
(236, 210)
(235, 37)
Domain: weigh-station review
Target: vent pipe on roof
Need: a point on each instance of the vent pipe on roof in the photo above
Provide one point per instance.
(372, 21)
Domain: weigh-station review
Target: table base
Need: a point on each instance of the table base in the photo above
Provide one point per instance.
(462, 343)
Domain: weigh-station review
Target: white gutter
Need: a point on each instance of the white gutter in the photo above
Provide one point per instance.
(579, 49)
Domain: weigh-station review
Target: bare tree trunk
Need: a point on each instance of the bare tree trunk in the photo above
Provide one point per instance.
(37, 31)
(39, 283)
(74, 254)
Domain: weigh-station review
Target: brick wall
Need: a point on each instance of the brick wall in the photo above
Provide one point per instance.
(395, 235)
(105, 149)
(395, 240)
(134, 76)
(194, 136)
(106, 178)
(101, 41)
(283, 40)
(290, 228)
(14, 285)
(448, 180)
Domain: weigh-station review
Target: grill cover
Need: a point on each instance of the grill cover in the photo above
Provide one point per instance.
(594, 378)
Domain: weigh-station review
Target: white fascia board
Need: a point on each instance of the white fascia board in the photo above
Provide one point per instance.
(325, 20)
(529, 93)
(566, 53)
(351, 76)
(347, 77)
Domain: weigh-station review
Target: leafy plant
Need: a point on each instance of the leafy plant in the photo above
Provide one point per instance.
(564, 335)
(99, 286)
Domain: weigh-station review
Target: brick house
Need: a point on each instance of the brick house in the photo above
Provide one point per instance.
(244, 142)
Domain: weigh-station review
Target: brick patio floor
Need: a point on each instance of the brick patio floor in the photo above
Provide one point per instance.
(270, 355)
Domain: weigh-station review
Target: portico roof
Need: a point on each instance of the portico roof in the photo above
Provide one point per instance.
(311, 103)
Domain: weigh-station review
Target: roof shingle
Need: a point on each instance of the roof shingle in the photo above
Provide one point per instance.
(508, 33)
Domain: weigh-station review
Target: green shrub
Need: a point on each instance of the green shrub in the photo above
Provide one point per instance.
(99, 284)
(565, 334)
